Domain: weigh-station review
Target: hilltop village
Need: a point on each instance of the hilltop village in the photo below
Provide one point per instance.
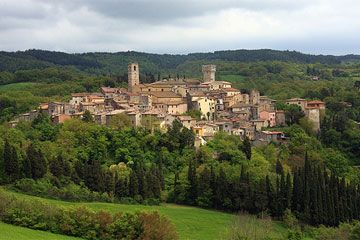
(222, 107)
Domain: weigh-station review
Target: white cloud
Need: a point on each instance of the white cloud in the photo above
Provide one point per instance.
(174, 26)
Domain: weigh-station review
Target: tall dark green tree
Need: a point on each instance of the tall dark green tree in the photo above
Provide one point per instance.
(204, 194)
(11, 162)
(56, 166)
(37, 162)
(246, 147)
(192, 182)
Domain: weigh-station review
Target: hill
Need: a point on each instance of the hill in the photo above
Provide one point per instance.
(115, 63)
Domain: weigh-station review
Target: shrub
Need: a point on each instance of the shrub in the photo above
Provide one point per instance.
(156, 226)
(67, 192)
(326, 233)
(290, 220)
(246, 227)
(85, 223)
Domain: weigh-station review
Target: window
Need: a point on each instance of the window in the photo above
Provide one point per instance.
(134, 68)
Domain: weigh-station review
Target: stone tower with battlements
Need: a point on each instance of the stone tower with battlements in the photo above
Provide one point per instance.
(208, 73)
(133, 76)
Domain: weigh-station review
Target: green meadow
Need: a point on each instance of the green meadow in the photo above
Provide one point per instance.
(191, 223)
(10, 232)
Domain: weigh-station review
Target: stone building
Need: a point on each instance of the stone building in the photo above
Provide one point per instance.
(133, 76)
(254, 97)
(208, 73)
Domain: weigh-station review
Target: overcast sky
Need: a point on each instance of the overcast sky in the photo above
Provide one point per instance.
(181, 26)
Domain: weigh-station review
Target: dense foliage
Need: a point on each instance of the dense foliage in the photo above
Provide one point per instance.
(79, 160)
(84, 223)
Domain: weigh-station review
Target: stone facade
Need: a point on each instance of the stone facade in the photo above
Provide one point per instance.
(133, 76)
(208, 73)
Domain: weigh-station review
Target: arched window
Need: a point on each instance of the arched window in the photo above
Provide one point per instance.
(134, 68)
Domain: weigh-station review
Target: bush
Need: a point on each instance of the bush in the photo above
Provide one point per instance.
(85, 223)
(67, 192)
(290, 220)
(247, 227)
(325, 233)
(156, 226)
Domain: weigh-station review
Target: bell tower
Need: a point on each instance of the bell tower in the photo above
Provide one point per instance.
(133, 76)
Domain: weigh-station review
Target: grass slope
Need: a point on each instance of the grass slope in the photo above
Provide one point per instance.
(191, 223)
(10, 232)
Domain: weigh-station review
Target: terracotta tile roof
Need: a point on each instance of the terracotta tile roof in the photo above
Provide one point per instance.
(315, 102)
(82, 94)
(166, 94)
(185, 118)
(230, 90)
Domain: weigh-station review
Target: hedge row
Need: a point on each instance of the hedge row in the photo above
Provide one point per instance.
(83, 222)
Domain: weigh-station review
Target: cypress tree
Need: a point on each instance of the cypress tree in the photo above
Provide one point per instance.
(221, 189)
(306, 191)
(279, 168)
(27, 168)
(11, 162)
(121, 187)
(260, 197)
(177, 189)
(155, 182)
(295, 193)
(133, 184)
(246, 147)
(321, 196)
(192, 188)
(108, 183)
(160, 175)
(93, 175)
(204, 194)
(37, 162)
(288, 192)
(270, 196)
(150, 182)
(56, 166)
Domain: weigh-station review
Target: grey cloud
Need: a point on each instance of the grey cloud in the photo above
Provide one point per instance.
(180, 26)
(167, 10)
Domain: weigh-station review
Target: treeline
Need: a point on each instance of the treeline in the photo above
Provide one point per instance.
(83, 222)
(135, 179)
(138, 183)
(312, 194)
(30, 59)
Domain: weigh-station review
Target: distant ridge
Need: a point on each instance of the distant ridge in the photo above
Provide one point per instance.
(106, 62)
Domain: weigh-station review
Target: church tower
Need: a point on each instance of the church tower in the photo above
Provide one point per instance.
(133, 76)
(209, 73)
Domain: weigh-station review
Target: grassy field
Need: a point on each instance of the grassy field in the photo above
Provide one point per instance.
(17, 86)
(191, 223)
(10, 232)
